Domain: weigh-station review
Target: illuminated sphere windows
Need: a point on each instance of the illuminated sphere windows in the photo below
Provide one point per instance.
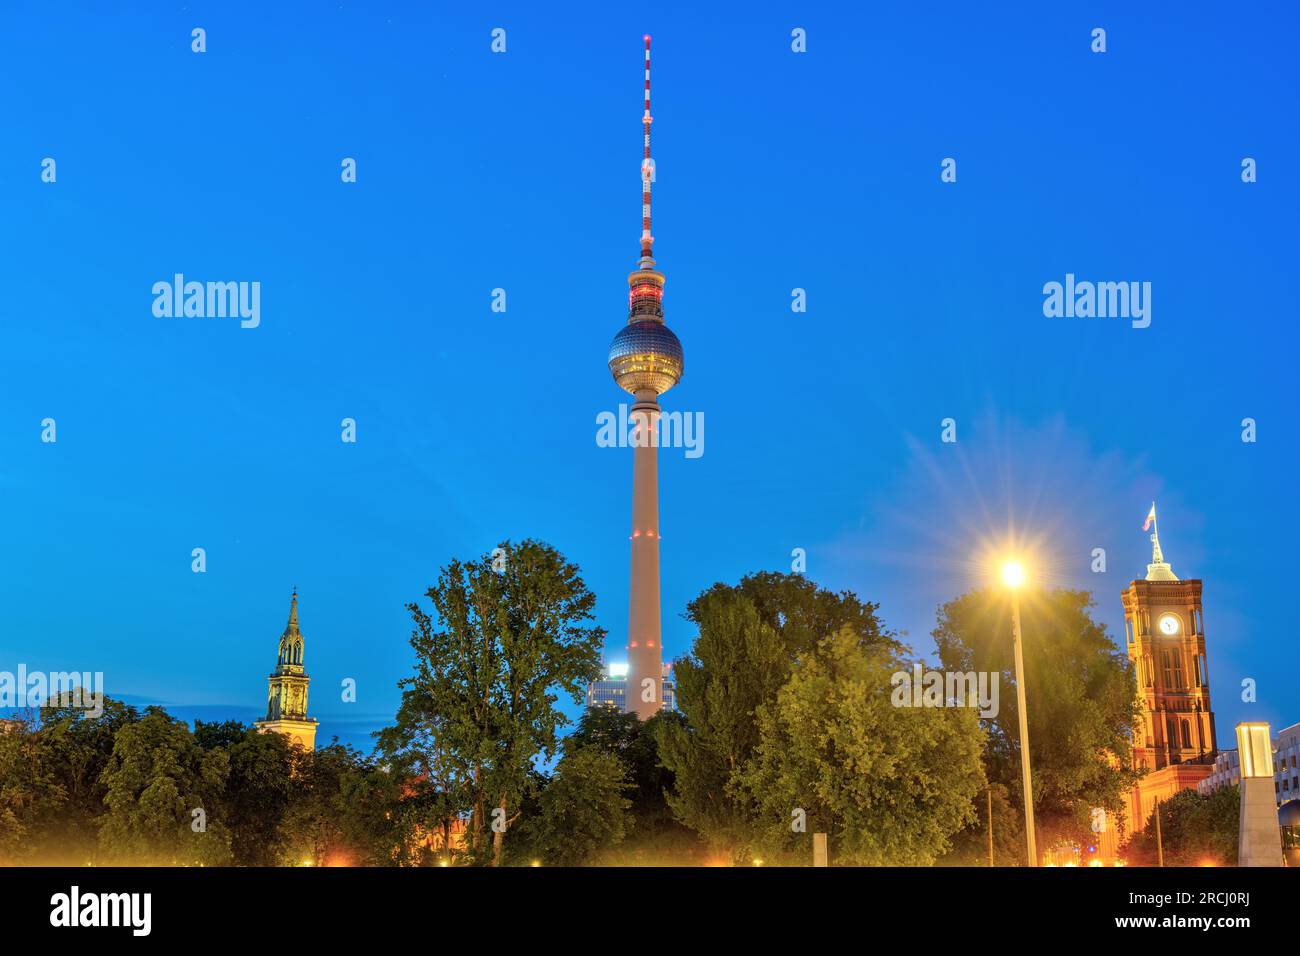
(646, 355)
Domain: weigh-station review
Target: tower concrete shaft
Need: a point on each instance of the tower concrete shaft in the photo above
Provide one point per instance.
(644, 695)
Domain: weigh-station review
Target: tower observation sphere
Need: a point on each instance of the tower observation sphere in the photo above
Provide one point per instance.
(646, 355)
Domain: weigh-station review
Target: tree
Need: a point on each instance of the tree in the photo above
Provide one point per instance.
(257, 790)
(970, 845)
(889, 785)
(509, 633)
(635, 743)
(1194, 830)
(1075, 678)
(607, 729)
(583, 808)
(801, 612)
(213, 734)
(162, 789)
(737, 664)
(434, 789)
(750, 637)
(340, 810)
(32, 798)
(257, 795)
(74, 750)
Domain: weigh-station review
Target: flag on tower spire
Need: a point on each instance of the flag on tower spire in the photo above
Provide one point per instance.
(1151, 518)
(1158, 569)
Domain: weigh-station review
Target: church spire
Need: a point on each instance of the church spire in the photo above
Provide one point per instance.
(286, 699)
(290, 656)
(292, 627)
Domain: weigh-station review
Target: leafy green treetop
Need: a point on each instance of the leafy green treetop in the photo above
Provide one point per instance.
(510, 632)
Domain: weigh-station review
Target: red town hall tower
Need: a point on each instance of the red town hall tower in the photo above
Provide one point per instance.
(1173, 738)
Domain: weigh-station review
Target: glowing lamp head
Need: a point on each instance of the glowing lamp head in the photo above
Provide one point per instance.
(1255, 748)
(1013, 574)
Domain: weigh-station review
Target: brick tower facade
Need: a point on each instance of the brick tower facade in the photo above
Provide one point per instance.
(1174, 737)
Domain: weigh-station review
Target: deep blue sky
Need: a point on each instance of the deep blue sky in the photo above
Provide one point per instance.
(775, 170)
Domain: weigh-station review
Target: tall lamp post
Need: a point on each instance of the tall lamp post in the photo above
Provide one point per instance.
(1013, 575)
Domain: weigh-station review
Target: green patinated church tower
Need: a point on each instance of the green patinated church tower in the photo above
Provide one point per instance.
(286, 703)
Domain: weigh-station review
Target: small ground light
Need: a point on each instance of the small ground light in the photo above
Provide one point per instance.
(537, 862)
(1013, 574)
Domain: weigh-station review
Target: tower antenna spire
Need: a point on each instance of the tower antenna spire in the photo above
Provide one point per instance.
(647, 166)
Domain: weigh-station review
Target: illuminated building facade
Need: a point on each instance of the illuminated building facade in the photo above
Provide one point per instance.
(286, 704)
(1286, 767)
(646, 360)
(610, 689)
(1286, 763)
(1226, 773)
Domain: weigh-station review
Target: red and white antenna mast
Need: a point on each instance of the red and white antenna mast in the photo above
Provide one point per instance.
(647, 165)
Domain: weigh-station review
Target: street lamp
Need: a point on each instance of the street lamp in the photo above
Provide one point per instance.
(1013, 575)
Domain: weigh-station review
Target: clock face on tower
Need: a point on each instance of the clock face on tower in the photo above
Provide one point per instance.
(1169, 624)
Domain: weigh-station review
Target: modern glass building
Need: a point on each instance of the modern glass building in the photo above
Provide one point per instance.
(610, 689)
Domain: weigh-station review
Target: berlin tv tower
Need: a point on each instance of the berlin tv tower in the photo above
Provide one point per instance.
(646, 360)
